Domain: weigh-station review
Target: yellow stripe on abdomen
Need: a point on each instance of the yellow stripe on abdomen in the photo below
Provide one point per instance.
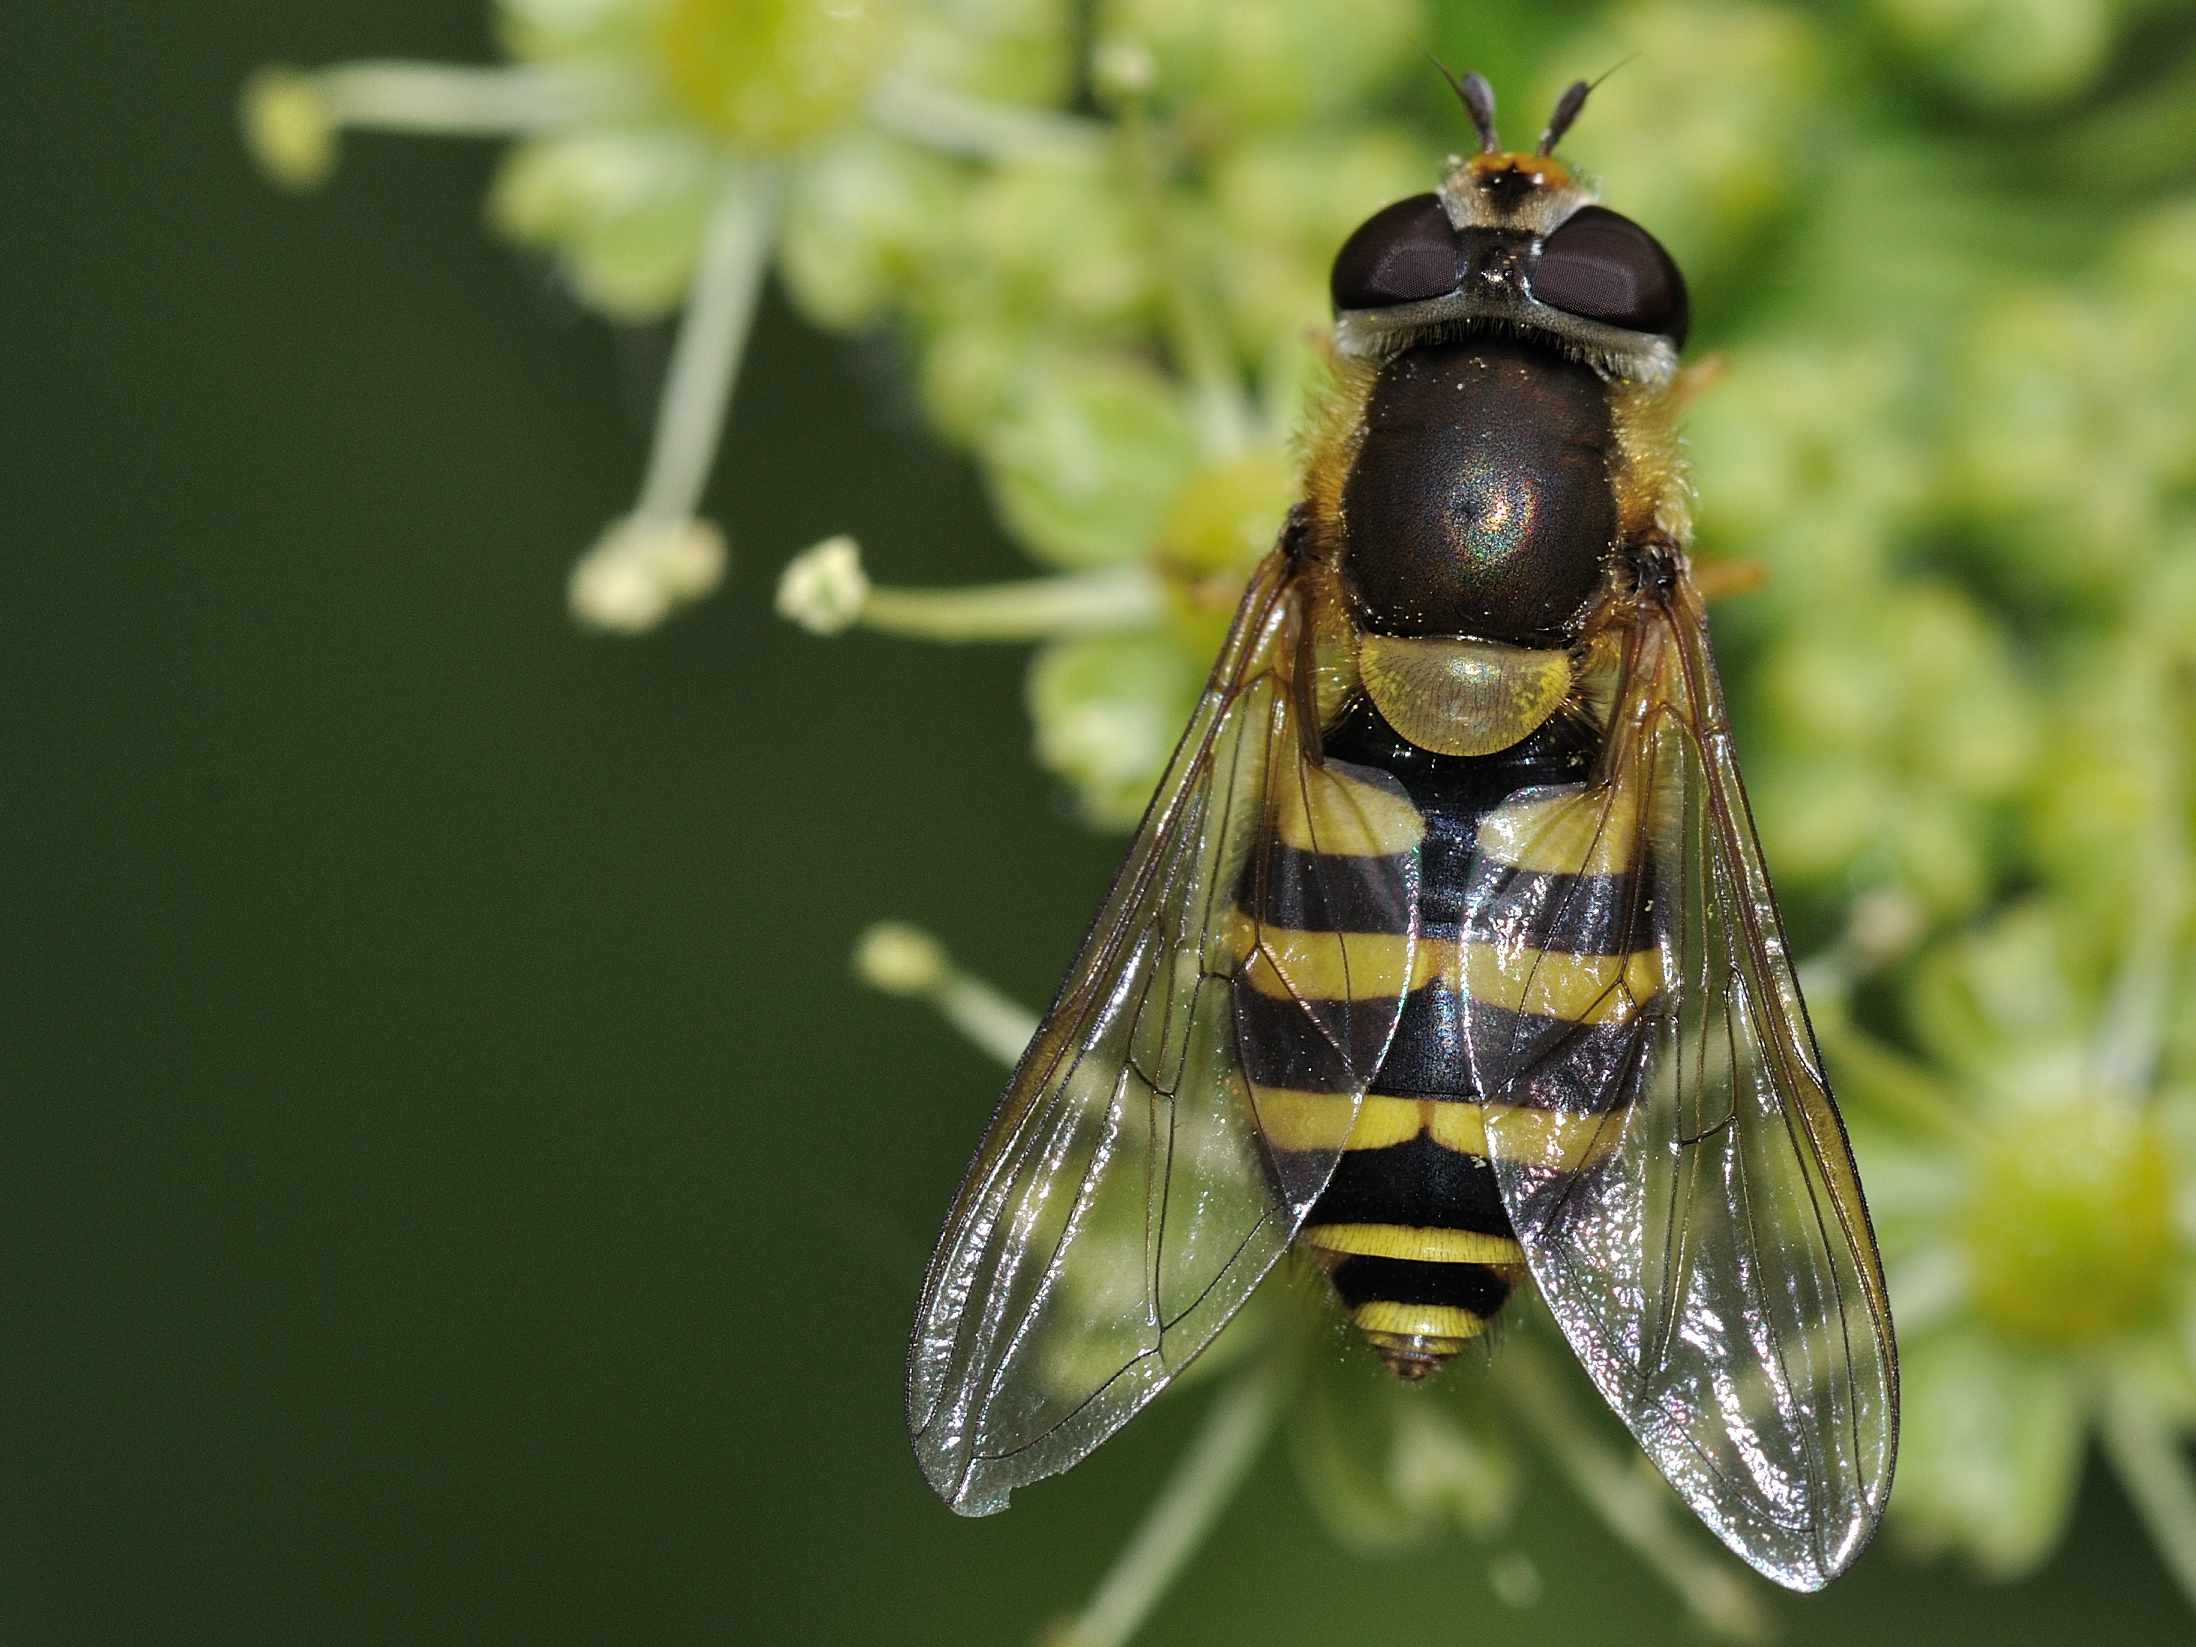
(1568, 834)
(1293, 1119)
(1286, 963)
(1336, 816)
(1561, 983)
(1426, 1246)
(1445, 1325)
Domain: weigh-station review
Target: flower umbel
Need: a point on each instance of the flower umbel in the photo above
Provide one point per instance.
(663, 153)
(2038, 1209)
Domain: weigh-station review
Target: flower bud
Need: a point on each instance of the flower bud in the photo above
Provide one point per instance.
(823, 587)
(640, 571)
(289, 128)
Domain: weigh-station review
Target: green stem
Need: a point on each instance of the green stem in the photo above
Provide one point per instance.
(1203, 1481)
(2137, 1012)
(973, 127)
(463, 100)
(705, 361)
(1874, 1072)
(1904, 1087)
(1028, 609)
(2134, 143)
(1634, 1505)
(1929, 1288)
(995, 1021)
(2151, 1460)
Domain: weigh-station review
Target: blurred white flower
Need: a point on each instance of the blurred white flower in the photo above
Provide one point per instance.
(641, 571)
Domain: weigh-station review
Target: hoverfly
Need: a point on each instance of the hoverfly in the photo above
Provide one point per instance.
(1445, 952)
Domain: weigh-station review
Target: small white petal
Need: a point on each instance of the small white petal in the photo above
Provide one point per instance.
(289, 127)
(616, 595)
(640, 571)
(690, 562)
(1123, 69)
(899, 959)
(1515, 1580)
(823, 588)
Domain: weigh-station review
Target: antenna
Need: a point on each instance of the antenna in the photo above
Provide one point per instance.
(1573, 99)
(1478, 99)
(1566, 111)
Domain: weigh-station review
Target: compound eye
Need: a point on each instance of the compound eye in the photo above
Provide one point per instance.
(1404, 253)
(1607, 268)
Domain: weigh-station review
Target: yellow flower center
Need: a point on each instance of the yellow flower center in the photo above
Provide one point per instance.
(1225, 515)
(2070, 1234)
(771, 74)
(1220, 521)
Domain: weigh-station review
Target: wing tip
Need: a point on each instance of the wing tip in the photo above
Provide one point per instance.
(965, 1484)
(974, 1502)
(1804, 1567)
(1803, 1578)
(966, 1489)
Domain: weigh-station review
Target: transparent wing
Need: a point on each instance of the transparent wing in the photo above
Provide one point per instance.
(1129, 1196)
(1665, 1142)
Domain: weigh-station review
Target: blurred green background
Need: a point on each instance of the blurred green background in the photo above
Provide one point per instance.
(456, 1190)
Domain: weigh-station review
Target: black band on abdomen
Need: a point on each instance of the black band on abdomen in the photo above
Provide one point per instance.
(1313, 892)
(1474, 1287)
(1418, 1183)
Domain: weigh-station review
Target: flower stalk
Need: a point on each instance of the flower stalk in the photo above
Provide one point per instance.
(2150, 1458)
(470, 100)
(664, 555)
(1203, 1482)
(900, 959)
(705, 362)
(973, 127)
(2139, 1007)
(1632, 1502)
(826, 590)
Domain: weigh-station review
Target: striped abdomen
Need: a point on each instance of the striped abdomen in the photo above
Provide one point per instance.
(1411, 1227)
(1412, 1231)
